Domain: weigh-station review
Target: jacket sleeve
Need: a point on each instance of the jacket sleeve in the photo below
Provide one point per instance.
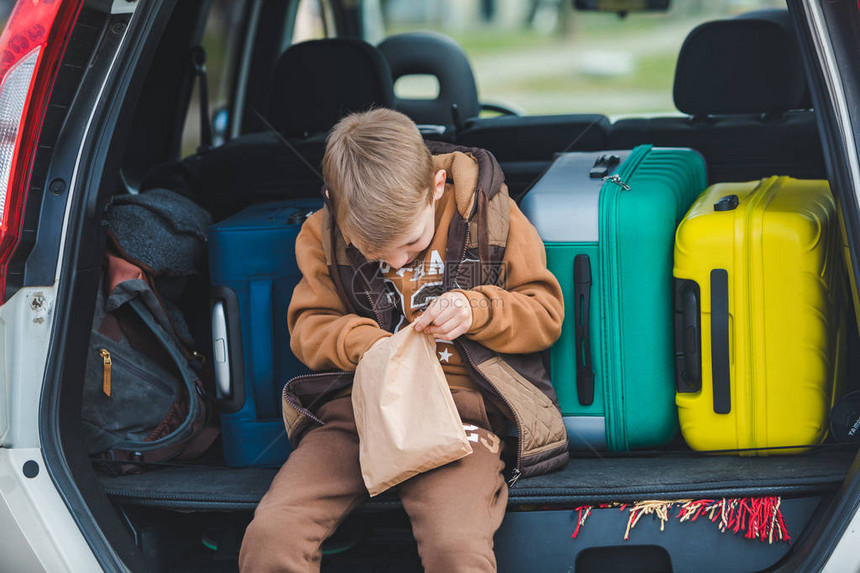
(526, 315)
(323, 335)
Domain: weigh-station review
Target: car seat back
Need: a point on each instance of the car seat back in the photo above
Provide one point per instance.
(742, 85)
(313, 85)
(433, 54)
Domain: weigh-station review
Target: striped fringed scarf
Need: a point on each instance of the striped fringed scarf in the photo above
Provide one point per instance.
(757, 518)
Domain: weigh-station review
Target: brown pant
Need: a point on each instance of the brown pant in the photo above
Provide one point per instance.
(455, 509)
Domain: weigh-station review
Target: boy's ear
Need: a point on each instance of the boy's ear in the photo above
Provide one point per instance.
(439, 183)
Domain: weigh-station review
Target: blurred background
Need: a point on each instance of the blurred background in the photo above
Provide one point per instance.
(543, 57)
(535, 56)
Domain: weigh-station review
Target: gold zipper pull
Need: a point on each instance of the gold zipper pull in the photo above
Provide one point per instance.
(197, 356)
(107, 363)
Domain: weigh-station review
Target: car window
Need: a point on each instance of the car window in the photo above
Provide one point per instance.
(220, 40)
(312, 21)
(543, 57)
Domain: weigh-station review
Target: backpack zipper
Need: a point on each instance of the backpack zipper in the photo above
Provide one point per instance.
(117, 359)
(105, 354)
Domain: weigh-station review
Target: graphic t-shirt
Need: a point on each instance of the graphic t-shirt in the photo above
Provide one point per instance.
(414, 286)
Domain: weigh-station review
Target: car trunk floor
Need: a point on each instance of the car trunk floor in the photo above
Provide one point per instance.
(585, 480)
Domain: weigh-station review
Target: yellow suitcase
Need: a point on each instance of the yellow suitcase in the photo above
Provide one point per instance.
(759, 289)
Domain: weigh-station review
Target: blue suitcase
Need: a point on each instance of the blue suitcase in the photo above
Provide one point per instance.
(253, 271)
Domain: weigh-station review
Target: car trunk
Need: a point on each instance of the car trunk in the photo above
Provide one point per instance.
(595, 481)
(543, 513)
(188, 515)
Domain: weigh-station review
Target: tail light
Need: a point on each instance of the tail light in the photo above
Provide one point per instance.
(31, 47)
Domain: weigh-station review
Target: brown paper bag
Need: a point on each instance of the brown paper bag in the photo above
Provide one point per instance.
(406, 418)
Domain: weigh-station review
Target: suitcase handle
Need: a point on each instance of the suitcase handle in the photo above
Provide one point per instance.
(688, 339)
(582, 301)
(228, 361)
(298, 216)
(720, 341)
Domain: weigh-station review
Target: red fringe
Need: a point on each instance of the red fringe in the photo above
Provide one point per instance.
(756, 518)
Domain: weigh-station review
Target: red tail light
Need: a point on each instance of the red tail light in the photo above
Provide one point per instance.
(31, 47)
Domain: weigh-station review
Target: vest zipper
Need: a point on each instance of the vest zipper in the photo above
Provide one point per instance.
(454, 283)
(465, 242)
(291, 382)
(518, 468)
(517, 471)
(105, 354)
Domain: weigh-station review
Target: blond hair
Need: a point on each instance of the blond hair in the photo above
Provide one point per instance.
(379, 175)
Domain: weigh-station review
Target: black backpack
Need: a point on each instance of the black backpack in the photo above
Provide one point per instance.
(144, 400)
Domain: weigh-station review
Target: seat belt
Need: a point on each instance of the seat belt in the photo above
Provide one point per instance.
(198, 60)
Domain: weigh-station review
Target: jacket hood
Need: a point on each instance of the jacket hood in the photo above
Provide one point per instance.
(471, 169)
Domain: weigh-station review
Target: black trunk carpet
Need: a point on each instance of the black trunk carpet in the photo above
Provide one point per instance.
(585, 480)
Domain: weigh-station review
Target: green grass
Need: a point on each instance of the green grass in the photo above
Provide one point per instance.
(651, 73)
(484, 41)
(562, 87)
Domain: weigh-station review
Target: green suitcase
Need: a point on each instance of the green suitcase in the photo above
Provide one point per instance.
(608, 222)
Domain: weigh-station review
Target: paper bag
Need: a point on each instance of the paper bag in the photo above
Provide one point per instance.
(404, 412)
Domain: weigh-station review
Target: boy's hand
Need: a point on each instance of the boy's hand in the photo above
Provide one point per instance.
(447, 317)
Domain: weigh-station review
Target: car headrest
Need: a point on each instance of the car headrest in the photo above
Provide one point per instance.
(741, 66)
(316, 83)
(436, 55)
(783, 18)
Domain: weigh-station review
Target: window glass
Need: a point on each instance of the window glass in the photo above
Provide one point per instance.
(543, 57)
(417, 86)
(310, 21)
(220, 40)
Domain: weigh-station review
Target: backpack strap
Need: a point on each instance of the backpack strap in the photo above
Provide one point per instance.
(332, 254)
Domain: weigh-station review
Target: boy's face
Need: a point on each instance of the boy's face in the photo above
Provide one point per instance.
(417, 237)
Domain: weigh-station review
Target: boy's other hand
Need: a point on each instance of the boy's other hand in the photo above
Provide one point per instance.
(447, 317)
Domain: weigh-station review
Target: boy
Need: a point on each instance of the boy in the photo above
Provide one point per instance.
(407, 236)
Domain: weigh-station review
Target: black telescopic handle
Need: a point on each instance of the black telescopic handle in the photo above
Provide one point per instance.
(582, 301)
(688, 339)
(720, 341)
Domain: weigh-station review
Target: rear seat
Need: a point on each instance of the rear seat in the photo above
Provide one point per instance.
(313, 85)
(743, 86)
(316, 83)
(525, 145)
(433, 54)
(783, 18)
